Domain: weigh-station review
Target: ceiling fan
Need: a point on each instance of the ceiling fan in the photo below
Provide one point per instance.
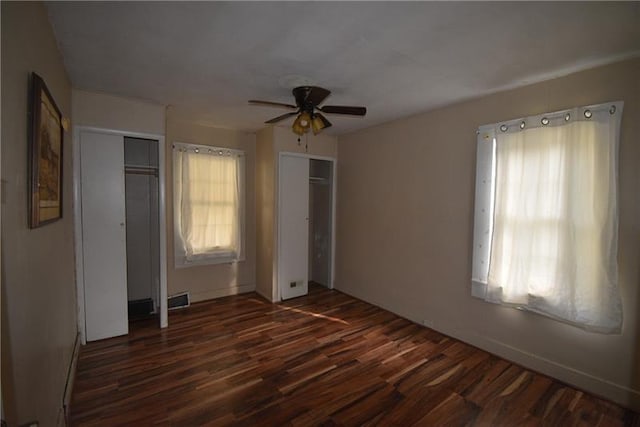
(308, 110)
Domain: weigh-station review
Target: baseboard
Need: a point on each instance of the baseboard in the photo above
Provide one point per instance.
(582, 380)
(71, 377)
(218, 293)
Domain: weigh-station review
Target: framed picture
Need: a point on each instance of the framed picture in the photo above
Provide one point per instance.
(45, 156)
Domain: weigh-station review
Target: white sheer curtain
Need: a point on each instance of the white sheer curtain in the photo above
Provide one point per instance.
(207, 206)
(553, 239)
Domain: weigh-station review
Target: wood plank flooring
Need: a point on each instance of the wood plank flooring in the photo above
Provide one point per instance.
(323, 359)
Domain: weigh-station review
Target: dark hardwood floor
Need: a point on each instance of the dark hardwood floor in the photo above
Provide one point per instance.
(323, 359)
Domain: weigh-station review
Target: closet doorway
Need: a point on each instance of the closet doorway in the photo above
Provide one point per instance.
(120, 230)
(306, 211)
(142, 227)
(320, 221)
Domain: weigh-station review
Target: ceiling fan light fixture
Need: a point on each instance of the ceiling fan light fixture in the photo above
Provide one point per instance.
(318, 123)
(305, 119)
(297, 129)
(302, 123)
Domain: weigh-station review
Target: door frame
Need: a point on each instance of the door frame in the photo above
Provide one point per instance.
(334, 175)
(77, 219)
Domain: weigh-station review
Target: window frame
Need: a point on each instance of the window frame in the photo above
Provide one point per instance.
(485, 199)
(180, 258)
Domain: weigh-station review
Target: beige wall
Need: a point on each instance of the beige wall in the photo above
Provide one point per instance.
(212, 281)
(405, 219)
(106, 111)
(316, 145)
(38, 285)
(272, 141)
(265, 206)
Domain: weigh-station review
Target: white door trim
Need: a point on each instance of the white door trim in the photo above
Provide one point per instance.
(334, 162)
(77, 213)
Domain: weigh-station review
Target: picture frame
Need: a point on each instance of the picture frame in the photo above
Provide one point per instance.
(46, 138)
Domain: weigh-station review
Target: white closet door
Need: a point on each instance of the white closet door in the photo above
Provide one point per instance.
(103, 235)
(293, 226)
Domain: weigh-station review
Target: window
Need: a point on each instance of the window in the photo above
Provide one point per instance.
(208, 204)
(545, 236)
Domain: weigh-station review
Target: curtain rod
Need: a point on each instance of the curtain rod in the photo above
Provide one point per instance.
(206, 149)
(580, 113)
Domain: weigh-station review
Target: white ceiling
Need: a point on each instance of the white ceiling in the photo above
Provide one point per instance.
(395, 58)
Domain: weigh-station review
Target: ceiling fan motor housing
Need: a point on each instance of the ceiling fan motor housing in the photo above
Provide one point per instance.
(308, 97)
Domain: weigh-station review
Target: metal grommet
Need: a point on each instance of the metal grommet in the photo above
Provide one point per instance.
(522, 124)
(504, 128)
(544, 121)
(567, 117)
(612, 110)
(588, 114)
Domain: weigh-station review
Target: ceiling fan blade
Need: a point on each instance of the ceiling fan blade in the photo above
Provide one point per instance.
(317, 94)
(343, 109)
(282, 117)
(271, 104)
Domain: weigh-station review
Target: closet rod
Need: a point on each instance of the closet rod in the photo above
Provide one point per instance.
(318, 180)
(141, 171)
(146, 167)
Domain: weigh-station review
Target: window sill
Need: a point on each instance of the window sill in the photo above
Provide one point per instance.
(183, 263)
